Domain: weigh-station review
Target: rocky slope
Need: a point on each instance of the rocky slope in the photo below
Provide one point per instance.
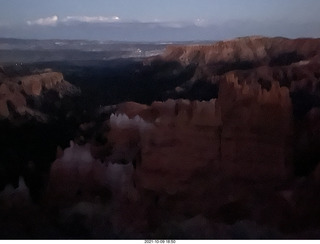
(183, 169)
(184, 152)
(256, 58)
(18, 92)
(237, 156)
(36, 116)
(255, 49)
(292, 63)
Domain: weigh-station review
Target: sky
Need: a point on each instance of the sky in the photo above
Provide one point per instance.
(158, 20)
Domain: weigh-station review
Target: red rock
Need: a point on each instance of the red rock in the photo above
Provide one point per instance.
(15, 89)
(240, 137)
(33, 84)
(256, 49)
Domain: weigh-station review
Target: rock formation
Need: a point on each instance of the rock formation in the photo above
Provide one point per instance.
(293, 63)
(225, 166)
(224, 160)
(255, 49)
(185, 152)
(210, 160)
(15, 91)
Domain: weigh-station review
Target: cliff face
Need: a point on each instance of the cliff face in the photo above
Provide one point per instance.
(216, 157)
(14, 96)
(218, 161)
(294, 63)
(232, 157)
(257, 128)
(258, 50)
(15, 92)
(34, 84)
(185, 151)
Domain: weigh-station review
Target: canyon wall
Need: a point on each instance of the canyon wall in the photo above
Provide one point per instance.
(255, 49)
(219, 161)
(17, 90)
(196, 156)
(294, 63)
(224, 166)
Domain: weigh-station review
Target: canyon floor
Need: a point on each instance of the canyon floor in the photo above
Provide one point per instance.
(189, 141)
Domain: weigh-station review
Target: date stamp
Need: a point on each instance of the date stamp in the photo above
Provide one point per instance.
(160, 241)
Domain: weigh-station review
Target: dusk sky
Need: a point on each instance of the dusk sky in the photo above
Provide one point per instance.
(158, 20)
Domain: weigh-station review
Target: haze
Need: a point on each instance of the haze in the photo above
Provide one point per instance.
(158, 20)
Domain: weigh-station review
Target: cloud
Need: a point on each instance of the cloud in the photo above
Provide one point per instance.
(175, 25)
(91, 19)
(54, 20)
(201, 22)
(114, 28)
(73, 20)
(49, 21)
(178, 24)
